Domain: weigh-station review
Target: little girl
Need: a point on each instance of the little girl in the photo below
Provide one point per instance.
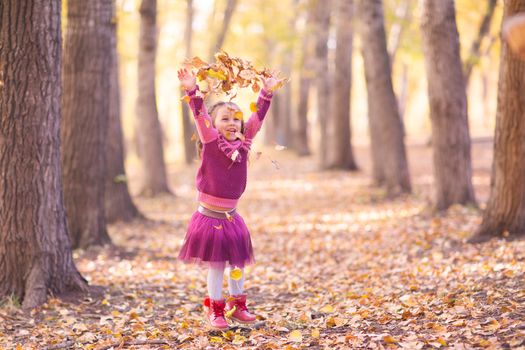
(217, 235)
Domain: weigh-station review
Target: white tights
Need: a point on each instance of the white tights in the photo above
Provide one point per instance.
(215, 277)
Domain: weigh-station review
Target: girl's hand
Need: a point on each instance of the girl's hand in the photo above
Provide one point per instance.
(271, 83)
(187, 79)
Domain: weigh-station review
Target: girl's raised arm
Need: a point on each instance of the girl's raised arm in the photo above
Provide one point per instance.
(203, 121)
(253, 125)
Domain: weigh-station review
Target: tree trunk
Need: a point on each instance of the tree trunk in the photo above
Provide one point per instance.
(305, 81)
(389, 160)
(149, 134)
(118, 203)
(322, 20)
(35, 251)
(343, 155)
(505, 212)
(228, 14)
(190, 150)
(448, 105)
(86, 84)
(484, 30)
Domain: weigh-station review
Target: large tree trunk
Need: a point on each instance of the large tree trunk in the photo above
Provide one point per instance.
(35, 251)
(190, 150)
(343, 156)
(228, 14)
(149, 134)
(389, 159)
(118, 203)
(324, 116)
(505, 212)
(448, 104)
(86, 84)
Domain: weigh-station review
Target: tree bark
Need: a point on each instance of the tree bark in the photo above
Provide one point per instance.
(343, 157)
(448, 105)
(86, 84)
(118, 203)
(505, 212)
(389, 159)
(190, 150)
(35, 251)
(484, 30)
(228, 14)
(149, 134)
(324, 116)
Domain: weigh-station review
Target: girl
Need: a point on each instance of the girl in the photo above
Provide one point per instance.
(217, 235)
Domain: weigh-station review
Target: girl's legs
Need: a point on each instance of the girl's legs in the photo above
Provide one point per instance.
(215, 277)
(236, 287)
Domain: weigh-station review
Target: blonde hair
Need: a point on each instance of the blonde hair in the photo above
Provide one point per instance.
(213, 113)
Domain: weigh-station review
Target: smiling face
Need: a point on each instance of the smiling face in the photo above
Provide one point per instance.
(228, 121)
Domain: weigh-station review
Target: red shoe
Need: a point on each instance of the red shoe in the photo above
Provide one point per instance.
(214, 310)
(240, 312)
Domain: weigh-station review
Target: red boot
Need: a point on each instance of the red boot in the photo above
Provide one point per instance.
(214, 310)
(240, 313)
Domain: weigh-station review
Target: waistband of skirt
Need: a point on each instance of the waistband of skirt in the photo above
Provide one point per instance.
(217, 201)
(216, 213)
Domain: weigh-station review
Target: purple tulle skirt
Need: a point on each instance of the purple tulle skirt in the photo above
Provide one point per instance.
(217, 242)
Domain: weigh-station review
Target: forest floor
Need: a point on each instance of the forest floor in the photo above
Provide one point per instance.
(339, 266)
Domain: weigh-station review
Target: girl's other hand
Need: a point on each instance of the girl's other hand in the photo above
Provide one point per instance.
(187, 79)
(271, 83)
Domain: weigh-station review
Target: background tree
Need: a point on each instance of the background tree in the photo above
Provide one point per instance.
(118, 203)
(322, 23)
(389, 159)
(85, 103)
(35, 251)
(448, 104)
(343, 157)
(190, 150)
(307, 73)
(505, 212)
(225, 24)
(148, 128)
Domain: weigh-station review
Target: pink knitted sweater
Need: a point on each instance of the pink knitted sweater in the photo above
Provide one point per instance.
(221, 179)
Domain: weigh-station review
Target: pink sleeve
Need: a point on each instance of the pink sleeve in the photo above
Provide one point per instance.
(253, 125)
(205, 128)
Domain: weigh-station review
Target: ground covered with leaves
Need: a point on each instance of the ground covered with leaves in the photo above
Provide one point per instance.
(339, 266)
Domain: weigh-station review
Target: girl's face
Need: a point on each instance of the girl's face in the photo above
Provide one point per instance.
(228, 121)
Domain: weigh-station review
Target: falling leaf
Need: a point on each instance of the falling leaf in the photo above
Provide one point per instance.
(185, 98)
(296, 336)
(255, 87)
(193, 137)
(280, 148)
(236, 274)
(253, 107)
(216, 74)
(239, 115)
(207, 123)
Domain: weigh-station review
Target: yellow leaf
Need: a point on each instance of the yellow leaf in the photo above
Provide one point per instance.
(296, 336)
(216, 74)
(442, 341)
(238, 115)
(115, 313)
(185, 98)
(216, 340)
(315, 333)
(238, 339)
(207, 123)
(105, 302)
(230, 312)
(254, 107)
(194, 137)
(389, 339)
(236, 274)
(19, 347)
(327, 309)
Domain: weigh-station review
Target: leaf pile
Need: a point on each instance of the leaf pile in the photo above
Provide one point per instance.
(338, 266)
